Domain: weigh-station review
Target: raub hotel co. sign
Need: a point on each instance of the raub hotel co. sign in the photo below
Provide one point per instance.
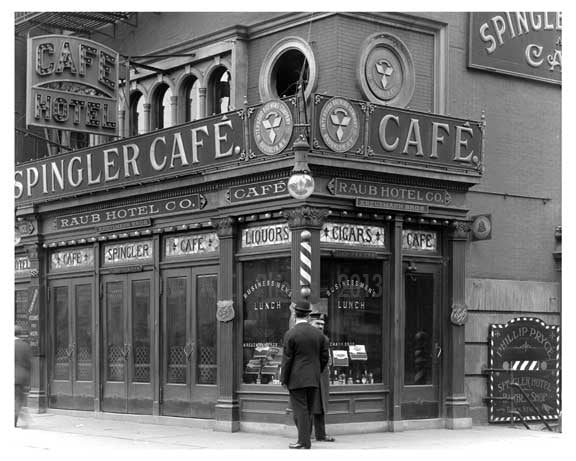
(357, 131)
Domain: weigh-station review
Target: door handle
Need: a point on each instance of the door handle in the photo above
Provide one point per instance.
(126, 351)
(189, 350)
(437, 350)
(70, 350)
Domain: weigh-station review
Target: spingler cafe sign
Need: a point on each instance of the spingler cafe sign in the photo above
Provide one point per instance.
(525, 364)
(340, 127)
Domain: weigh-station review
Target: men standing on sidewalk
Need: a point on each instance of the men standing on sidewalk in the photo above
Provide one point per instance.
(318, 320)
(305, 355)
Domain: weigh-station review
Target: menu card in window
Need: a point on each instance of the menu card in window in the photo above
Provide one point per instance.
(340, 358)
(358, 352)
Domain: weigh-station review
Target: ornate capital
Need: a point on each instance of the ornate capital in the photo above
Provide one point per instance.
(305, 217)
(225, 227)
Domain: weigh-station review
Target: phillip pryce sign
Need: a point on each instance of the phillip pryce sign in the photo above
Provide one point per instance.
(524, 352)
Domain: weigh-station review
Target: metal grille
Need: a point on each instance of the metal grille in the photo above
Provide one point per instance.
(207, 366)
(141, 363)
(84, 366)
(177, 365)
(62, 364)
(115, 368)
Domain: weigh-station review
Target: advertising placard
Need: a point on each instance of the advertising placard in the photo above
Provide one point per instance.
(524, 352)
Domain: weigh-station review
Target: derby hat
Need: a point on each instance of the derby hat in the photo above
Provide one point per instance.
(318, 316)
(302, 307)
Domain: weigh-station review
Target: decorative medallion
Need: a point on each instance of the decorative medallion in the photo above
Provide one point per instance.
(339, 125)
(459, 314)
(386, 70)
(225, 310)
(273, 127)
(481, 227)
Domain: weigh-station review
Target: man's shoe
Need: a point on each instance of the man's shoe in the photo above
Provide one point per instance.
(327, 438)
(298, 445)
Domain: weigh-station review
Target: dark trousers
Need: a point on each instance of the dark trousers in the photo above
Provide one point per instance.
(302, 402)
(319, 426)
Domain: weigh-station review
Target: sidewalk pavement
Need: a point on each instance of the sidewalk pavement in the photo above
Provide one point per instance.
(59, 434)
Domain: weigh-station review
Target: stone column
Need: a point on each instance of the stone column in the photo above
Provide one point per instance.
(457, 405)
(227, 407)
(201, 103)
(122, 123)
(397, 330)
(38, 328)
(146, 116)
(174, 110)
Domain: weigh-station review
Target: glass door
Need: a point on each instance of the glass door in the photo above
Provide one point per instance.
(422, 341)
(189, 339)
(71, 344)
(127, 343)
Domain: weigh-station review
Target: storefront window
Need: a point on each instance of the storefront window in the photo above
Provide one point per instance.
(266, 303)
(352, 293)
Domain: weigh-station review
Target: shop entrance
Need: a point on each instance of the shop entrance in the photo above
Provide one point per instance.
(188, 344)
(127, 343)
(422, 341)
(71, 370)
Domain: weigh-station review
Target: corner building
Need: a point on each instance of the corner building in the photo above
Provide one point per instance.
(155, 268)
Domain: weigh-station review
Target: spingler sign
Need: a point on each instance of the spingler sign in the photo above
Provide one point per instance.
(525, 353)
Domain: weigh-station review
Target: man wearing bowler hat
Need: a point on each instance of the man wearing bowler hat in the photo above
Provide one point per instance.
(305, 355)
(318, 320)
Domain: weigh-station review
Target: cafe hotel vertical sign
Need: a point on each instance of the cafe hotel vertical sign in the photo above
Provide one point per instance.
(72, 84)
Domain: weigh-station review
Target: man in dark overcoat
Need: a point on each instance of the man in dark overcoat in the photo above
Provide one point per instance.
(22, 366)
(304, 357)
(318, 320)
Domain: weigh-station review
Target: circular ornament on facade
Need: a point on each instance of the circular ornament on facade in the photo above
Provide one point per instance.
(459, 314)
(339, 126)
(481, 227)
(273, 127)
(386, 70)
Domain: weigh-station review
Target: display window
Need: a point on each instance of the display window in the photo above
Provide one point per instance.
(266, 298)
(352, 294)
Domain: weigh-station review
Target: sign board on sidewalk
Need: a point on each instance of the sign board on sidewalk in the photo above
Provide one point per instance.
(524, 351)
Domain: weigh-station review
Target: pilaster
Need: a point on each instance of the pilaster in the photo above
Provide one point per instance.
(457, 405)
(227, 407)
(397, 329)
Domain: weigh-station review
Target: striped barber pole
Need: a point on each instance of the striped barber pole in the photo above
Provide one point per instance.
(525, 365)
(305, 259)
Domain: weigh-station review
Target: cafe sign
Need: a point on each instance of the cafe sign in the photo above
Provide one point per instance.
(419, 241)
(256, 191)
(524, 352)
(76, 258)
(72, 84)
(129, 253)
(186, 203)
(523, 44)
(192, 245)
(352, 234)
(387, 135)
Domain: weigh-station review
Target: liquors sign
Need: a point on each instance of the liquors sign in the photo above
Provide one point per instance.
(72, 84)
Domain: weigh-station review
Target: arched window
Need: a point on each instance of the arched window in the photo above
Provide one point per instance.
(286, 73)
(191, 109)
(137, 114)
(220, 91)
(162, 108)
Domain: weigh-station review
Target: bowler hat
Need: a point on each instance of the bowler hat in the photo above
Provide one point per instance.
(318, 316)
(302, 307)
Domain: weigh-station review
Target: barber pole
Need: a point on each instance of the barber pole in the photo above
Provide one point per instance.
(305, 263)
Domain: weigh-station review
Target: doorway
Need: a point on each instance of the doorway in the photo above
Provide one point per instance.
(127, 343)
(189, 339)
(422, 341)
